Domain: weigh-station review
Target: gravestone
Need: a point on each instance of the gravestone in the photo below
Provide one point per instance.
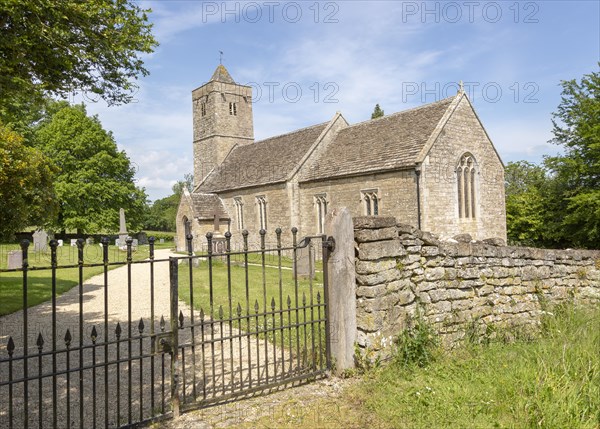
(89, 240)
(305, 261)
(121, 243)
(143, 238)
(60, 243)
(40, 240)
(74, 242)
(15, 259)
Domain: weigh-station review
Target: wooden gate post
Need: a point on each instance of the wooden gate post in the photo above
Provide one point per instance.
(174, 280)
(341, 291)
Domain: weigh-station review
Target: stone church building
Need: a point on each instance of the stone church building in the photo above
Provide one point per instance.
(432, 166)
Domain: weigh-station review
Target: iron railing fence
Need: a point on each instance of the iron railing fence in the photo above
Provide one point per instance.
(246, 323)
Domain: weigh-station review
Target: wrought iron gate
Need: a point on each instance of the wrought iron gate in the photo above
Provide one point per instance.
(238, 322)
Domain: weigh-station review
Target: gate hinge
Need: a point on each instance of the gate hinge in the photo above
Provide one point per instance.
(329, 244)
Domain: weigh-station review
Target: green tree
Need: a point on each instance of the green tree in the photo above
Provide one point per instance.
(377, 112)
(162, 213)
(187, 183)
(525, 203)
(58, 47)
(95, 179)
(26, 189)
(576, 127)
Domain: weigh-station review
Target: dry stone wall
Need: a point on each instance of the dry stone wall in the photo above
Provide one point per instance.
(458, 287)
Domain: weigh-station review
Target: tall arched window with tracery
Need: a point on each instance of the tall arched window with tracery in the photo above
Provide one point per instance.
(466, 173)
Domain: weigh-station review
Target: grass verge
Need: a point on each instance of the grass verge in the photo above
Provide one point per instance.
(550, 382)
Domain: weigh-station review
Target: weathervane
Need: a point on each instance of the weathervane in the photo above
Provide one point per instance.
(221, 57)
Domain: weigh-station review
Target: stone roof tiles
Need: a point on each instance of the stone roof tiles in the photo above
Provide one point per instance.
(386, 143)
(205, 206)
(221, 75)
(264, 162)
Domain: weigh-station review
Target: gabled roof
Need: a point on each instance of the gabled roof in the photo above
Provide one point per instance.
(205, 206)
(386, 143)
(264, 162)
(221, 75)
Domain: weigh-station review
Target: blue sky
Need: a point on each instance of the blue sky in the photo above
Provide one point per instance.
(307, 60)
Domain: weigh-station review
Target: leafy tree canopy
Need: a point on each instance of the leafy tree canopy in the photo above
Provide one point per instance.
(58, 47)
(162, 213)
(377, 112)
(525, 214)
(95, 179)
(26, 189)
(557, 204)
(577, 129)
(186, 183)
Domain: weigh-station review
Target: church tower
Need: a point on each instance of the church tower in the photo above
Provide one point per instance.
(222, 112)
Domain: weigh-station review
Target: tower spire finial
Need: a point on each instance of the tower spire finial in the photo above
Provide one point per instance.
(461, 86)
(221, 57)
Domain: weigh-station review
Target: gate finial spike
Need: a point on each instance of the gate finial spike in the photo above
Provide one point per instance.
(40, 341)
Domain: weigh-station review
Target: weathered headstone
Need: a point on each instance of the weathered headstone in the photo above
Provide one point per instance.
(74, 242)
(40, 240)
(143, 238)
(15, 259)
(60, 243)
(305, 261)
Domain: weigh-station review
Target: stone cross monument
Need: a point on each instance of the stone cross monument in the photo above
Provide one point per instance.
(122, 227)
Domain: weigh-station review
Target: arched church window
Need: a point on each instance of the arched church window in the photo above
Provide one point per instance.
(371, 201)
(321, 205)
(239, 211)
(466, 190)
(261, 201)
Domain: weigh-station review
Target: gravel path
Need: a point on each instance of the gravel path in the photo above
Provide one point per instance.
(67, 314)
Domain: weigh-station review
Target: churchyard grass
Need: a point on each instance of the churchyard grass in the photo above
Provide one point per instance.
(552, 381)
(39, 281)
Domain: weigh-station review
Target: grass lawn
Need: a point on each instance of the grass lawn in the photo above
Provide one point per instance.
(39, 287)
(274, 287)
(550, 382)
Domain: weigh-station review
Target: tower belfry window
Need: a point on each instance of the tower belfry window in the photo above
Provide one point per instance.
(465, 181)
(203, 108)
(233, 109)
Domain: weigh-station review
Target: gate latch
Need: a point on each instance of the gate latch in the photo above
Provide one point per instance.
(162, 343)
(329, 244)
